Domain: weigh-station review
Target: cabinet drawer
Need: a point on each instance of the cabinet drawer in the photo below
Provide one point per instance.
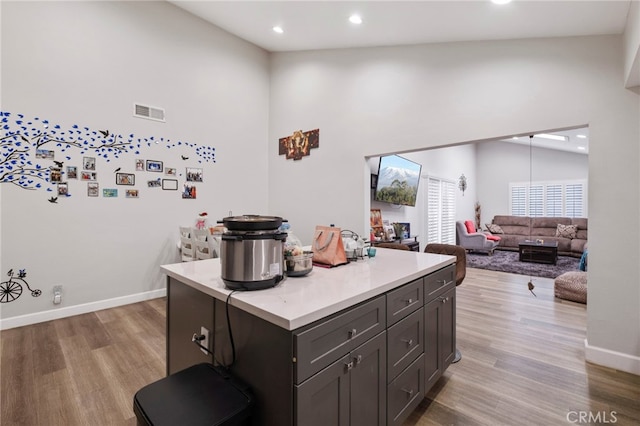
(434, 283)
(403, 301)
(405, 392)
(405, 342)
(322, 343)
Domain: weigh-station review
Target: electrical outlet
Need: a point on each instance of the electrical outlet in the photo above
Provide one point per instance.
(204, 342)
(57, 294)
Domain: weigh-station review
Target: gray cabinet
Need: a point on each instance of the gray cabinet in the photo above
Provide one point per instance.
(439, 334)
(351, 391)
(187, 310)
(370, 364)
(320, 344)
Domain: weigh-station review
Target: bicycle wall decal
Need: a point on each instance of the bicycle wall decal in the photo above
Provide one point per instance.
(12, 289)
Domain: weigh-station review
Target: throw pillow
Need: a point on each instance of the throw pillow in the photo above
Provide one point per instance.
(471, 228)
(566, 231)
(493, 228)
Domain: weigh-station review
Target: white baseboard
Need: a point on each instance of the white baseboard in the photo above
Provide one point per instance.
(608, 358)
(69, 311)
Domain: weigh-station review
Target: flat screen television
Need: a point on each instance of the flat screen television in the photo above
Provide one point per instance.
(398, 180)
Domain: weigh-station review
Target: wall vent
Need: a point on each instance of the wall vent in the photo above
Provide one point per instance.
(148, 112)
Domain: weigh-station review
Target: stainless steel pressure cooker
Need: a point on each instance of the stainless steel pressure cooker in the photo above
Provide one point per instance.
(251, 252)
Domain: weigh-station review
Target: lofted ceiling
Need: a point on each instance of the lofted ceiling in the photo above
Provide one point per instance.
(314, 25)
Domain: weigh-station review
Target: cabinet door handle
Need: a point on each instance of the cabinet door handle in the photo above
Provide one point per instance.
(352, 333)
(357, 359)
(408, 391)
(349, 365)
(441, 282)
(409, 342)
(409, 301)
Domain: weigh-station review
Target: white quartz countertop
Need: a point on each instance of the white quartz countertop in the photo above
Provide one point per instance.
(298, 301)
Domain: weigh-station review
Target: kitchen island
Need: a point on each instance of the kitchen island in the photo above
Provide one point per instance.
(359, 344)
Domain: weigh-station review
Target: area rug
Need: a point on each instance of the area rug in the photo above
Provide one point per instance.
(507, 261)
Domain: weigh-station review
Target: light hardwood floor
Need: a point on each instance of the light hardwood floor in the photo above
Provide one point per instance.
(522, 364)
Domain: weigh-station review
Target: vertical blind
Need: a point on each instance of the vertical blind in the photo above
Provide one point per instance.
(537, 199)
(441, 211)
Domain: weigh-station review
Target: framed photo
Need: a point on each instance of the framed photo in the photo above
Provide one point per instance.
(92, 189)
(56, 174)
(72, 172)
(154, 183)
(89, 163)
(189, 192)
(63, 188)
(125, 179)
(154, 166)
(194, 175)
(170, 184)
(376, 218)
(45, 153)
(139, 165)
(131, 193)
(110, 192)
(170, 171)
(88, 175)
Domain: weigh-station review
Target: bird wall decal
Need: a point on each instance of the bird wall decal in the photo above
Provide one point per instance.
(53, 200)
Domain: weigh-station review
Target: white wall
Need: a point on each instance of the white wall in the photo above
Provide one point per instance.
(632, 47)
(501, 163)
(380, 100)
(86, 63)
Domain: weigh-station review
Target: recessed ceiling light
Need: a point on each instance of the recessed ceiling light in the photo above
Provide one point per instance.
(515, 137)
(553, 137)
(582, 148)
(500, 1)
(581, 136)
(355, 19)
(278, 29)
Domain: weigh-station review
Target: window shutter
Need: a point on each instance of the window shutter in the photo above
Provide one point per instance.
(553, 200)
(574, 200)
(441, 211)
(518, 200)
(536, 206)
(537, 199)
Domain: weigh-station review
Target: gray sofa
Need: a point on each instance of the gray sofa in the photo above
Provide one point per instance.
(516, 229)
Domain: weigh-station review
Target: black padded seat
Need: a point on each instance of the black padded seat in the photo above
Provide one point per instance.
(201, 395)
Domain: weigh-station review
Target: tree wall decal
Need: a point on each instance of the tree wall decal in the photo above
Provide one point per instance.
(24, 142)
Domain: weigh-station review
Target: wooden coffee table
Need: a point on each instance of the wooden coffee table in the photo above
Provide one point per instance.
(532, 251)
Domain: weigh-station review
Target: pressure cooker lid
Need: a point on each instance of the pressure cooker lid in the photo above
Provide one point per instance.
(252, 222)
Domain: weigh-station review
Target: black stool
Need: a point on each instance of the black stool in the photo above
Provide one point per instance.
(201, 395)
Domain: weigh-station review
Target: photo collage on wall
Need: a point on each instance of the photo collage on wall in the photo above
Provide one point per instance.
(168, 180)
(26, 162)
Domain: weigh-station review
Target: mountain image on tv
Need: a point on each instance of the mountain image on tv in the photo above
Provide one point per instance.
(398, 180)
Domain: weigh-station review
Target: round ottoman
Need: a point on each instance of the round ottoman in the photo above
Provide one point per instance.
(572, 286)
